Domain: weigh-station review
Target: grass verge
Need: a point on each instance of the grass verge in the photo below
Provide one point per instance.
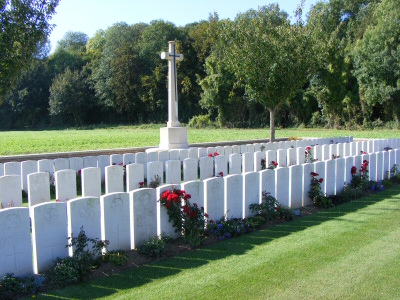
(349, 252)
(49, 141)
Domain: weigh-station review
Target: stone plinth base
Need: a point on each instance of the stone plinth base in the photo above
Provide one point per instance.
(173, 138)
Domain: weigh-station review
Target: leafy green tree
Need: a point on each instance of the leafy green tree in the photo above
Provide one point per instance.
(268, 54)
(70, 98)
(377, 60)
(30, 98)
(73, 41)
(336, 26)
(24, 26)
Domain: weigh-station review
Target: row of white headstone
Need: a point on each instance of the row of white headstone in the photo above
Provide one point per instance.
(129, 219)
(177, 165)
(192, 169)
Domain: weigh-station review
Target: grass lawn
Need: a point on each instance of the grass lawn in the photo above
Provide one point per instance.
(48, 141)
(349, 252)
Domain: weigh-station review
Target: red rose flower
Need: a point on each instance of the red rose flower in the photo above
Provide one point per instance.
(221, 174)
(168, 205)
(173, 198)
(321, 180)
(165, 194)
(210, 155)
(314, 174)
(206, 215)
(216, 154)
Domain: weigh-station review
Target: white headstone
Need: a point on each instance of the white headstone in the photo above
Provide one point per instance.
(243, 149)
(247, 162)
(103, 161)
(372, 166)
(183, 154)
(281, 158)
(250, 148)
(282, 184)
(49, 234)
(12, 168)
(134, 176)
(202, 152)
(386, 167)
(330, 177)
(76, 163)
(318, 153)
(115, 218)
(320, 169)
(347, 150)
(38, 188)
(214, 198)
(258, 156)
(129, 158)
(173, 172)
(307, 169)
(116, 159)
(10, 191)
(164, 226)
(291, 156)
(91, 182)
(221, 166)
(190, 169)
(220, 150)
(300, 155)
(84, 213)
(211, 150)
(155, 172)
(235, 163)
(61, 164)
(270, 156)
(89, 162)
(227, 150)
(349, 165)
(251, 192)
(206, 167)
(65, 181)
(257, 147)
(296, 186)
(174, 154)
(163, 156)
(193, 153)
(152, 156)
(1, 169)
(267, 183)
(196, 190)
(28, 167)
(143, 216)
(379, 166)
(340, 175)
(236, 149)
(15, 245)
(233, 196)
(114, 179)
(141, 158)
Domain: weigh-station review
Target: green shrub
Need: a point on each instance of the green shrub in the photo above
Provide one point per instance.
(70, 270)
(155, 247)
(201, 121)
(118, 258)
(11, 286)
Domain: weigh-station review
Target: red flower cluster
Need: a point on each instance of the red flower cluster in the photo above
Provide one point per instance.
(141, 184)
(221, 174)
(213, 155)
(274, 163)
(364, 167)
(353, 170)
(363, 152)
(313, 174)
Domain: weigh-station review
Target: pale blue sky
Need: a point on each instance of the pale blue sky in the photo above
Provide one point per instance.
(88, 16)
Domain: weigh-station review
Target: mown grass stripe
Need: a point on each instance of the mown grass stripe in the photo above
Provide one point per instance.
(349, 252)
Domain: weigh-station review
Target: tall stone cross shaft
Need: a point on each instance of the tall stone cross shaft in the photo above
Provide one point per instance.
(172, 57)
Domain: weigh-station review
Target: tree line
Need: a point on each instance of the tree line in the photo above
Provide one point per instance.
(340, 67)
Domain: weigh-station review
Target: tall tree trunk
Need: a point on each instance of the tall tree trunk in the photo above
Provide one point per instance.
(271, 125)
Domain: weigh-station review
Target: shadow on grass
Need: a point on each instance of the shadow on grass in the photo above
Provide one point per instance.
(107, 286)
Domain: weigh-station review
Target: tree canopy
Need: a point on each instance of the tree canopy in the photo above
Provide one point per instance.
(24, 27)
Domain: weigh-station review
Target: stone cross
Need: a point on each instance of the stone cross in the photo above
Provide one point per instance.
(172, 57)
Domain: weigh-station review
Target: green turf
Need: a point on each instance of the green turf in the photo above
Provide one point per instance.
(349, 252)
(26, 142)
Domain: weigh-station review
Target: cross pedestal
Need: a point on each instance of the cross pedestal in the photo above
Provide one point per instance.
(173, 136)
